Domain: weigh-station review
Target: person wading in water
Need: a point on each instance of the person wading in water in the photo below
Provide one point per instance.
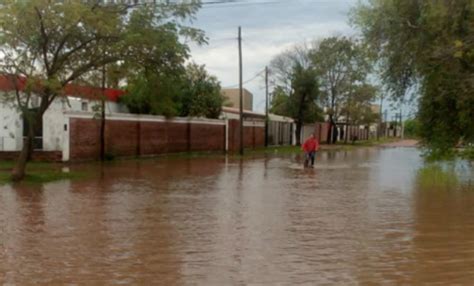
(310, 146)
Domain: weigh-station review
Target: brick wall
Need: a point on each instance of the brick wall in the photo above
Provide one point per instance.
(254, 136)
(129, 138)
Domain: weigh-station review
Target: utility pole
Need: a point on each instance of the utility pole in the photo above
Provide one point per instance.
(266, 107)
(402, 135)
(102, 117)
(241, 95)
(379, 129)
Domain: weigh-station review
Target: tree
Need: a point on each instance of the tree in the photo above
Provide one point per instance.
(342, 67)
(189, 92)
(47, 45)
(155, 94)
(297, 88)
(411, 128)
(427, 46)
(202, 94)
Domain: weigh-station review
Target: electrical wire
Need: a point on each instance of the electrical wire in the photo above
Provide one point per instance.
(247, 81)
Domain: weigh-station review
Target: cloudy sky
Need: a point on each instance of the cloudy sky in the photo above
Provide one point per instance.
(268, 28)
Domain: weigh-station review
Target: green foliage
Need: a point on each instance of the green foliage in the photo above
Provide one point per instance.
(412, 128)
(154, 94)
(280, 102)
(342, 66)
(54, 43)
(189, 92)
(202, 94)
(434, 177)
(296, 86)
(300, 102)
(357, 105)
(468, 153)
(40, 173)
(428, 45)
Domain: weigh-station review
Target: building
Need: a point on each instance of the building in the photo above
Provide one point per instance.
(232, 96)
(70, 127)
(50, 136)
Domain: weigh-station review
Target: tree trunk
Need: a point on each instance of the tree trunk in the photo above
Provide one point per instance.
(19, 170)
(34, 118)
(102, 131)
(347, 129)
(102, 117)
(298, 132)
(329, 139)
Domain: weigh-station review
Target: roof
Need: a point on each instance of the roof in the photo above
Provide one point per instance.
(246, 112)
(7, 83)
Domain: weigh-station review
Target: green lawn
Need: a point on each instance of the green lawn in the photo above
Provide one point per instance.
(38, 172)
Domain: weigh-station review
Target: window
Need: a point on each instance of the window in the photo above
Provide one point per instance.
(84, 106)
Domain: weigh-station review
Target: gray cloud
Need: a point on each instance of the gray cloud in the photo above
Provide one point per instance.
(267, 29)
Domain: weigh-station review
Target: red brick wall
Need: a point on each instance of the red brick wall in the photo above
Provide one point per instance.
(84, 139)
(254, 136)
(121, 138)
(200, 135)
(156, 137)
(128, 138)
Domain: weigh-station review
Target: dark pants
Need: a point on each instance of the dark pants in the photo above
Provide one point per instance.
(309, 157)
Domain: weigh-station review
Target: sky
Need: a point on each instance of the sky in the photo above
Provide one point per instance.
(269, 27)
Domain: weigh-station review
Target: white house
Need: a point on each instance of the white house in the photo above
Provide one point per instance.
(50, 138)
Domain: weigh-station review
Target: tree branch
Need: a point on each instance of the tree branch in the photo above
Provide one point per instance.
(45, 39)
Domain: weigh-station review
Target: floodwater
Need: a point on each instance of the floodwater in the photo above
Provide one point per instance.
(359, 217)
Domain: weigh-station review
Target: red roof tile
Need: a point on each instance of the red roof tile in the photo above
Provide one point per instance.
(7, 83)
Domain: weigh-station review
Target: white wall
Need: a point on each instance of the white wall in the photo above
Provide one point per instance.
(11, 127)
(54, 120)
(11, 122)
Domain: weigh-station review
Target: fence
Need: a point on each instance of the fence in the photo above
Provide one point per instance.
(280, 133)
(321, 132)
(134, 136)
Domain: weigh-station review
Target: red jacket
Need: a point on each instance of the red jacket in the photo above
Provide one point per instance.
(310, 145)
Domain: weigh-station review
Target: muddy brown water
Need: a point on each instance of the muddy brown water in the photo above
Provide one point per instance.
(359, 217)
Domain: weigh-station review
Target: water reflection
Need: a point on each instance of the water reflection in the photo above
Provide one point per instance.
(359, 217)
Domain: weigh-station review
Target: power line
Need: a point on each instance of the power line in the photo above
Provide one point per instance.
(247, 81)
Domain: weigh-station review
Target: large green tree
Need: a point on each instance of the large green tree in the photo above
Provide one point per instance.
(189, 92)
(296, 88)
(201, 93)
(427, 46)
(342, 65)
(46, 45)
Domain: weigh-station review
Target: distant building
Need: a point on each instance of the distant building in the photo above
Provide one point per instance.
(232, 96)
(375, 108)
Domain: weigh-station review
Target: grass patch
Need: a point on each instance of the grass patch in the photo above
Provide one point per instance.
(439, 154)
(434, 177)
(375, 142)
(38, 173)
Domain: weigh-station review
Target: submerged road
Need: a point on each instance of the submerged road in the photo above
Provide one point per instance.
(359, 217)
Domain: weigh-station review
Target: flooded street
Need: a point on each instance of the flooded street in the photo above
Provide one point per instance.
(359, 217)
